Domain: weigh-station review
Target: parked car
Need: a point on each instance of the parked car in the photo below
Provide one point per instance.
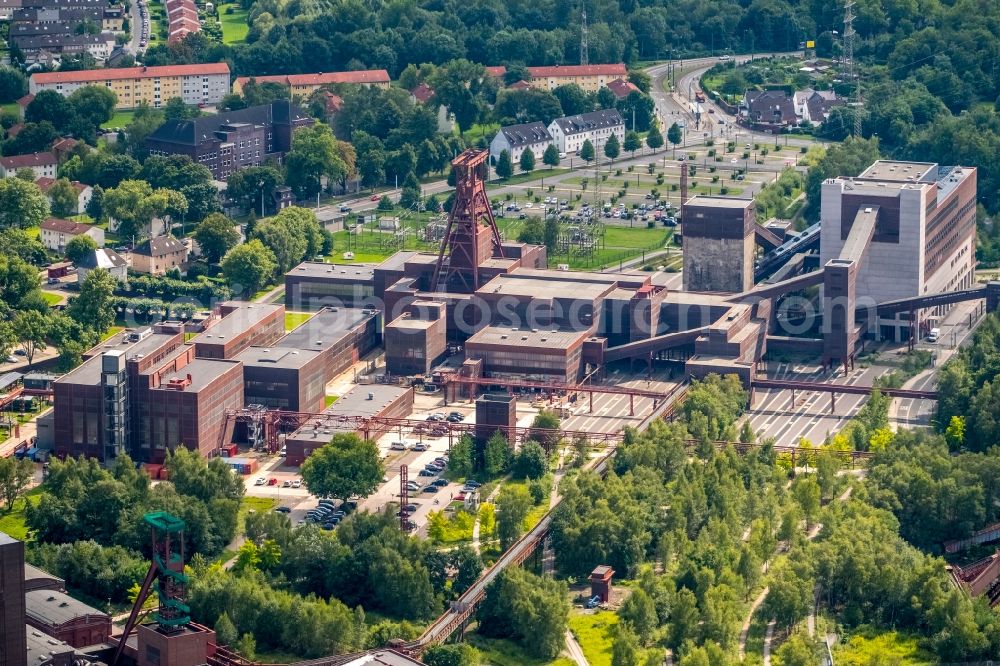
(260, 481)
(420, 446)
(440, 483)
(425, 472)
(272, 481)
(594, 602)
(283, 509)
(398, 446)
(286, 484)
(472, 483)
(297, 483)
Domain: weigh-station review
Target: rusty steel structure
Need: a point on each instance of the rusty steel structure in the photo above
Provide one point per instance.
(404, 496)
(471, 236)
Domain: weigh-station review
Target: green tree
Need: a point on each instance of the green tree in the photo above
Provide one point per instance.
(529, 609)
(954, 434)
(93, 307)
(504, 167)
(807, 493)
(684, 618)
(513, 504)
(654, 139)
(551, 156)
(15, 475)
(409, 197)
(527, 161)
(496, 455)
(31, 327)
(176, 109)
(135, 204)
(216, 235)
(94, 104)
(287, 243)
(79, 248)
(63, 198)
(22, 204)
(13, 85)
(347, 466)
(385, 204)
(721, 614)
(249, 266)
(315, 154)
(95, 206)
(612, 147)
(639, 613)
(461, 457)
(632, 142)
(253, 185)
(545, 429)
(797, 651)
(225, 630)
(530, 462)
(674, 136)
(458, 654)
(207, 480)
(550, 233)
(790, 595)
(625, 648)
(587, 153)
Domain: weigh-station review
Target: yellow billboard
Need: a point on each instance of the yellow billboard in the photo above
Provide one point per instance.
(810, 44)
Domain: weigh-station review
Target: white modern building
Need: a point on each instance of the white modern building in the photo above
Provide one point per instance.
(570, 133)
(515, 139)
(924, 240)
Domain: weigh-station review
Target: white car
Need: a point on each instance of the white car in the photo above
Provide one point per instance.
(734, 160)
(398, 446)
(529, 205)
(297, 483)
(260, 481)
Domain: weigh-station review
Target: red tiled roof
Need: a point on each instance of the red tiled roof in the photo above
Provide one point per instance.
(14, 130)
(30, 160)
(320, 78)
(44, 183)
(65, 226)
(65, 143)
(577, 70)
(496, 72)
(92, 75)
(333, 102)
(622, 88)
(520, 85)
(25, 101)
(422, 93)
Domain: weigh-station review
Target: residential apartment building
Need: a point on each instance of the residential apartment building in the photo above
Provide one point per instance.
(56, 233)
(230, 140)
(83, 192)
(516, 139)
(156, 256)
(182, 19)
(43, 164)
(924, 239)
(570, 133)
(814, 106)
(195, 84)
(589, 77)
(303, 85)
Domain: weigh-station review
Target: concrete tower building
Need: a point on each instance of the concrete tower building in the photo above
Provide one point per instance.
(718, 244)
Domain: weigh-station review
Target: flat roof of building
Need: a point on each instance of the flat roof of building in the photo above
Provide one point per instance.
(286, 358)
(397, 261)
(54, 608)
(405, 320)
(316, 269)
(382, 657)
(354, 403)
(203, 371)
(518, 337)
(243, 318)
(548, 287)
(719, 202)
(41, 647)
(900, 171)
(325, 328)
(89, 372)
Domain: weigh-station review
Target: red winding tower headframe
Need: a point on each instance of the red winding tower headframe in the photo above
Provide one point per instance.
(472, 236)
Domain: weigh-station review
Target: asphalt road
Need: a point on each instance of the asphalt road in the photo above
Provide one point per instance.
(135, 20)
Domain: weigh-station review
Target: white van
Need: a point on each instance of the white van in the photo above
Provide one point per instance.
(934, 335)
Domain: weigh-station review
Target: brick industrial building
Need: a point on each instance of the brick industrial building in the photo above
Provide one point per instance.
(149, 391)
(230, 140)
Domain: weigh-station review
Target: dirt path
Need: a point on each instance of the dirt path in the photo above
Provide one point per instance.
(768, 637)
(574, 651)
(749, 618)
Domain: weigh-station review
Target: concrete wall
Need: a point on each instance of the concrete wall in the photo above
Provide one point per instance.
(717, 264)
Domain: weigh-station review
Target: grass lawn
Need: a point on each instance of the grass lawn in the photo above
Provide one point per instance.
(507, 653)
(531, 176)
(295, 319)
(114, 330)
(12, 522)
(329, 400)
(454, 529)
(258, 504)
(51, 299)
(595, 634)
(120, 119)
(33, 232)
(234, 25)
(477, 131)
(888, 648)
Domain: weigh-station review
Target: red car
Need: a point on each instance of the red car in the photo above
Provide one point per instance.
(375, 197)
(272, 481)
